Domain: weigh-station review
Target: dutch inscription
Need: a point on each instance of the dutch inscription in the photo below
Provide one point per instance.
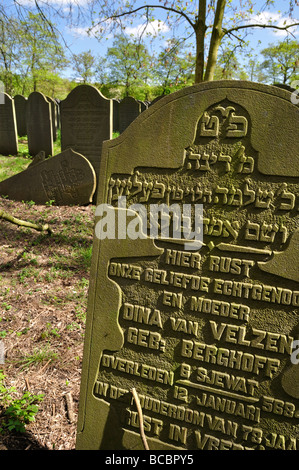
(205, 336)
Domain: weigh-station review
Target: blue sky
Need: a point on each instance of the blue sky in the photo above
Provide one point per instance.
(79, 41)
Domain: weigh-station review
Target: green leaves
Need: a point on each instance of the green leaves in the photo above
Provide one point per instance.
(84, 66)
(128, 62)
(30, 53)
(15, 413)
(281, 61)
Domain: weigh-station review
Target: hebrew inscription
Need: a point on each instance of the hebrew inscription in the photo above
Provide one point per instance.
(208, 336)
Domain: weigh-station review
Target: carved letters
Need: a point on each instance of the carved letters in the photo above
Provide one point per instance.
(208, 334)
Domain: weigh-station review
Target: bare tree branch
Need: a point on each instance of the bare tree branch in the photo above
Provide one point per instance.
(258, 25)
(130, 12)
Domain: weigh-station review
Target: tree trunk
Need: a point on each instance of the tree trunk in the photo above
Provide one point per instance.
(217, 35)
(200, 31)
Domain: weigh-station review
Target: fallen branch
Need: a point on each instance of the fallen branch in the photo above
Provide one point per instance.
(140, 415)
(70, 407)
(24, 223)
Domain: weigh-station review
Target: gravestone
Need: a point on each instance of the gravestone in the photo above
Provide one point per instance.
(115, 115)
(39, 124)
(129, 110)
(57, 101)
(40, 157)
(86, 121)
(8, 127)
(65, 179)
(143, 106)
(206, 335)
(157, 99)
(20, 108)
(53, 117)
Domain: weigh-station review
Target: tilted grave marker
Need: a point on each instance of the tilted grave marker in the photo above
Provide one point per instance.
(8, 127)
(206, 337)
(20, 109)
(39, 124)
(86, 121)
(129, 110)
(65, 179)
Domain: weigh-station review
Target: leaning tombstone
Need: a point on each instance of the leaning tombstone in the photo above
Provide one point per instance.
(39, 124)
(129, 110)
(20, 108)
(193, 300)
(86, 121)
(8, 126)
(65, 179)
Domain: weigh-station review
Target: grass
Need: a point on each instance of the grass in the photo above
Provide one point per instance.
(44, 283)
(13, 164)
(10, 166)
(39, 356)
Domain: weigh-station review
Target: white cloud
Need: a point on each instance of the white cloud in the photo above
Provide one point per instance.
(153, 27)
(90, 31)
(275, 19)
(65, 3)
(79, 31)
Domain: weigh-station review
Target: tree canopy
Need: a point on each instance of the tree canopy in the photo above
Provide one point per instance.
(206, 40)
(281, 62)
(207, 22)
(30, 53)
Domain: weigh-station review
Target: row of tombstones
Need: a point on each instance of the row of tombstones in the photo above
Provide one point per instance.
(86, 118)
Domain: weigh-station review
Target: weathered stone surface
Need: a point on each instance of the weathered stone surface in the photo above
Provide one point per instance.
(129, 110)
(86, 121)
(21, 110)
(39, 124)
(66, 179)
(8, 128)
(205, 336)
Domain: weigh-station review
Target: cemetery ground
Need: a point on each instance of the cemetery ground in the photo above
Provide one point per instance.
(43, 297)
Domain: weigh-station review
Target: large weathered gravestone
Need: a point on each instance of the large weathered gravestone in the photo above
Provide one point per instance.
(129, 110)
(20, 109)
(205, 336)
(65, 179)
(39, 124)
(86, 121)
(8, 127)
